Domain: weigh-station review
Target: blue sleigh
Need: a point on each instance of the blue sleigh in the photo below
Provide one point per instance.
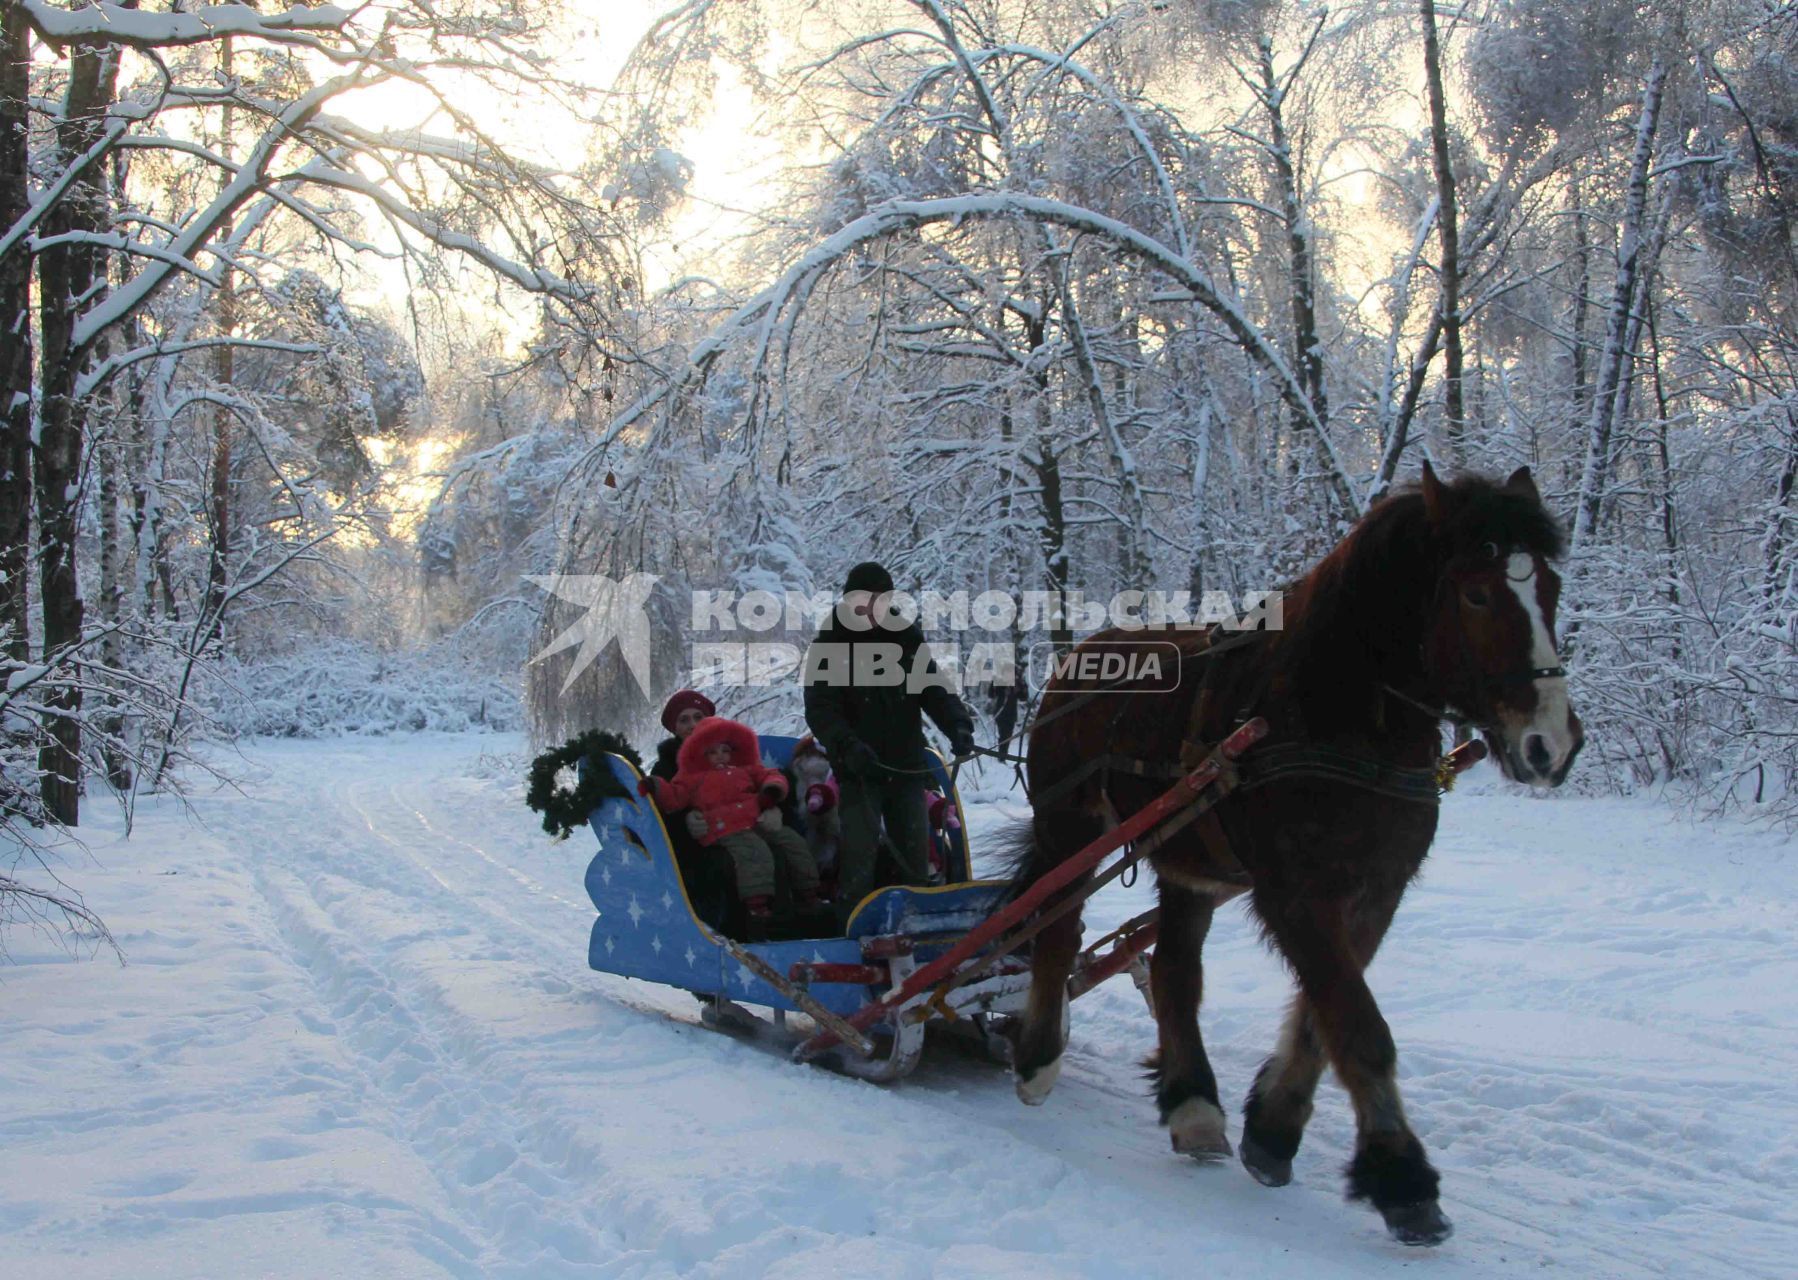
(647, 929)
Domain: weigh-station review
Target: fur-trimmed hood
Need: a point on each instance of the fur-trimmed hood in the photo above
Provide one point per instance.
(746, 748)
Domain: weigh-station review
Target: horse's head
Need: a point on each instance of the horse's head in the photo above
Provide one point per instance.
(1489, 649)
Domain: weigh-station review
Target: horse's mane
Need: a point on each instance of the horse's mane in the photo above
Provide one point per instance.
(1358, 613)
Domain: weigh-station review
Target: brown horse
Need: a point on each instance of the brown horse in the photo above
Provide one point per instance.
(1439, 604)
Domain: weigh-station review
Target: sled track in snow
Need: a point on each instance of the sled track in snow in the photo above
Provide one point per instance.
(358, 1031)
(376, 984)
(502, 1161)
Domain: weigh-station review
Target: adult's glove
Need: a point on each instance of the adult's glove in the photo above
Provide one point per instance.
(961, 743)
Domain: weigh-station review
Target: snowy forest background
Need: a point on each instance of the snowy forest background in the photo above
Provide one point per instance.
(325, 327)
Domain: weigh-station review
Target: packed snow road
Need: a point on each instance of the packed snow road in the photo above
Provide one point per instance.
(357, 1036)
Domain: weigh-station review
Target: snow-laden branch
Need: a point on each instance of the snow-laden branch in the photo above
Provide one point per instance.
(98, 375)
(1064, 64)
(48, 199)
(204, 225)
(989, 106)
(533, 279)
(766, 308)
(111, 23)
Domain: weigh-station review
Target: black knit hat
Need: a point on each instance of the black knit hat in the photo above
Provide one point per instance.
(869, 576)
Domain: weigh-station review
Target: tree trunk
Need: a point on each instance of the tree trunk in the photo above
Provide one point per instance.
(1647, 268)
(1663, 465)
(15, 340)
(1781, 525)
(150, 442)
(1582, 286)
(109, 461)
(1053, 538)
(1133, 565)
(1201, 480)
(1005, 700)
(1609, 379)
(70, 275)
(1447, 226)
(1307, 350)
(224, 371)
(219, 508)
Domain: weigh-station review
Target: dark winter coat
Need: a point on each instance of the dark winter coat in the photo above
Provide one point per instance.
(889, 718)
(728, 796)
(667, 759)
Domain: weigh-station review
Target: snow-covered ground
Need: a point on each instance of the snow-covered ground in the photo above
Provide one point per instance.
(357, 1036)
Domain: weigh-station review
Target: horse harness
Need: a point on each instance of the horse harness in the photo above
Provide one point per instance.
(1224, 877)
(1267, 763)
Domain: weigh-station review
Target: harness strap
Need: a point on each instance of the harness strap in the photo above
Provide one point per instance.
(1434, 712)
(1044, 798)
(1524, 675)
(1278, 761)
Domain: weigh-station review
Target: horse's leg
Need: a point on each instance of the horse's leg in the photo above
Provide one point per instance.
(1185, 1088)
(1390, 1168)
(1036, 1061)
(1042, 1035)
(1279, 1102)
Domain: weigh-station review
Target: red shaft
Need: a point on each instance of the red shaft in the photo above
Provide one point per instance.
(1115, 961)
(1176, 797)
(863, 975)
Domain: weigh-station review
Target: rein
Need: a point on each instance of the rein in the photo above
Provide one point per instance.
(1277, 761)
(1524, 675)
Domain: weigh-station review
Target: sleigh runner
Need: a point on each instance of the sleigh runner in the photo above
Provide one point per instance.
(908, 957)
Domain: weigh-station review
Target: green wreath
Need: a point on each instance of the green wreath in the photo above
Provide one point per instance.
(565, 808)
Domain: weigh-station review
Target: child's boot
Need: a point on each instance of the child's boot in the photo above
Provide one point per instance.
(758, 917)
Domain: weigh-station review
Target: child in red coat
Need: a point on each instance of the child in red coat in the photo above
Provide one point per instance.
(719, 772)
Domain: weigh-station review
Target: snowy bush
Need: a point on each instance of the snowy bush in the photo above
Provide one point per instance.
(334, 687)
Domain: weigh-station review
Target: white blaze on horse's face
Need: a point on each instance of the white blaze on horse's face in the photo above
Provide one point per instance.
(1539, 744)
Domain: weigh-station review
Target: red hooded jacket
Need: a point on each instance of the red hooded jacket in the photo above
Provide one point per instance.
(728, 798)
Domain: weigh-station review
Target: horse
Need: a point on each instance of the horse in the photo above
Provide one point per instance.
(1439, 604)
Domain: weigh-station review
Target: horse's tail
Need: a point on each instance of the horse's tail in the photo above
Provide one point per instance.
(1022, 856)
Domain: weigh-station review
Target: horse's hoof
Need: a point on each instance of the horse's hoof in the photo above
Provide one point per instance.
(1196, 1128)
(1214, 1149)
(1422, 1223)
(1033, 1089)
(1263, 1166)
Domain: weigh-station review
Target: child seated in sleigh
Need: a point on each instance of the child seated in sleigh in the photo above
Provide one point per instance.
(815, 791)
(720, 774)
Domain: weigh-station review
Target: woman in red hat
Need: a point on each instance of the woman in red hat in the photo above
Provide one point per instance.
(680, 716)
